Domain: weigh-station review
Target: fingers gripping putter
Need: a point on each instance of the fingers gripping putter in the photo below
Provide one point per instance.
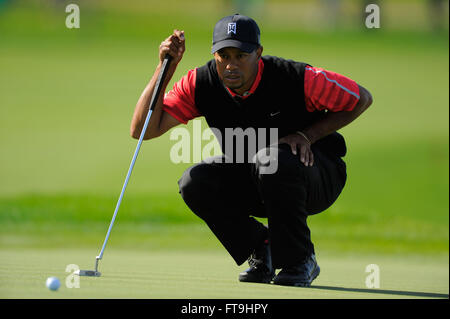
(154, 99)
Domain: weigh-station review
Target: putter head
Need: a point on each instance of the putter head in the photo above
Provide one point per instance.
(88, 273)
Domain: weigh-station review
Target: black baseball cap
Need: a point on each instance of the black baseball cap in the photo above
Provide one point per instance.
(236, 31)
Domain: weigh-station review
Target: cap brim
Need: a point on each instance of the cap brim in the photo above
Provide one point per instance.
(246, 47)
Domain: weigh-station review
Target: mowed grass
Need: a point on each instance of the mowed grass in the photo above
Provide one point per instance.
(66, 101)
(163, 222)
(210, 274)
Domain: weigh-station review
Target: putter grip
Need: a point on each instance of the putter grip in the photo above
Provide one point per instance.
(160, 81)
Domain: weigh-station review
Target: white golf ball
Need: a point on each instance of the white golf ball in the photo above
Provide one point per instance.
(52, 283)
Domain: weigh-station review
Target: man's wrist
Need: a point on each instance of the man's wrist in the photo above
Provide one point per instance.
(314, 133)
(304, 136)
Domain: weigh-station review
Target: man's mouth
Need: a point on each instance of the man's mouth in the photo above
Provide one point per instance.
(232, 77)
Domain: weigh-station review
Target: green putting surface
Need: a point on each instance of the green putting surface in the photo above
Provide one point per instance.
(210, 274)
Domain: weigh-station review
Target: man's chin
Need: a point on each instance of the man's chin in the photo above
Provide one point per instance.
(231, 85)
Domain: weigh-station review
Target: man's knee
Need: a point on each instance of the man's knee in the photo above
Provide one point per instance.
(194, 185)
(188, 185)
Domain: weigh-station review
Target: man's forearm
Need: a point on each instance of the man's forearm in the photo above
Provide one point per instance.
(143, 104)
(334, 121)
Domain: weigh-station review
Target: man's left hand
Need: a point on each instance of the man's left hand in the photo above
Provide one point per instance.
(299, 145)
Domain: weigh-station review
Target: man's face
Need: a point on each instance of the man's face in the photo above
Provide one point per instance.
(237, 69)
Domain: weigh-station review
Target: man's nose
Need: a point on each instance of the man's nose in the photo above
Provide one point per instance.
(232, 66)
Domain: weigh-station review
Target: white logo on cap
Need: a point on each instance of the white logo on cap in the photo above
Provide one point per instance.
(232, 27)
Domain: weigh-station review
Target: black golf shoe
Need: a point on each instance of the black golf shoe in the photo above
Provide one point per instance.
(261, 270)
(300, 275)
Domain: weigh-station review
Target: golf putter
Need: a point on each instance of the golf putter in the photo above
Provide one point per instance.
(154, 99)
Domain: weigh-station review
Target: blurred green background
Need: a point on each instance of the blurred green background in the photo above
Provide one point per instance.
(67, 97)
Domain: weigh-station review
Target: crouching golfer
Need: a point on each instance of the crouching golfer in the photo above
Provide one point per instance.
(240, 88)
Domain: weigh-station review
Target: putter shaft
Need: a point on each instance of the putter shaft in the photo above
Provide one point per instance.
(156, 92)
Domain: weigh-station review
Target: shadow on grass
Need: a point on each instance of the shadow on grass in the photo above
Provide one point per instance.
(383, 291)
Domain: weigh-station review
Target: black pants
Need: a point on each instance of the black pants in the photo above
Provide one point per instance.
(226, 196)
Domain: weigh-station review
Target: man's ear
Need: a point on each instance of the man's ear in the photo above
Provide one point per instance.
(259, 52)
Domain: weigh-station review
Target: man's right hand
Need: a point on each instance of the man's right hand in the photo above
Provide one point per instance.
(174, 46)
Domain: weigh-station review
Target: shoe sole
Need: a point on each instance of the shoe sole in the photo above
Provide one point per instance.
(287, 282)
